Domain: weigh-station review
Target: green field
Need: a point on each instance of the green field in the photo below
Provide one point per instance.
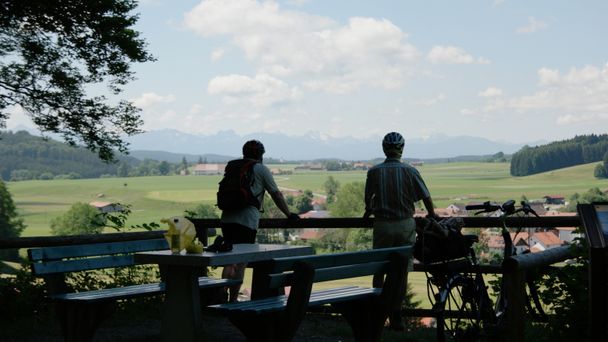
(153, 198)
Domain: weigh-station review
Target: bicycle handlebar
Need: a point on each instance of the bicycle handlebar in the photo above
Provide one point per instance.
(508, 208)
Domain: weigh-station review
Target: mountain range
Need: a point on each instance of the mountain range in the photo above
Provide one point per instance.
(225, 145)
(171, 145)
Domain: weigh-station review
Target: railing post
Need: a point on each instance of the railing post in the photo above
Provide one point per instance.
(516, 311)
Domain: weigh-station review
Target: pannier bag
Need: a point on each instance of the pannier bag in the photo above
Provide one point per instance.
(440, 241)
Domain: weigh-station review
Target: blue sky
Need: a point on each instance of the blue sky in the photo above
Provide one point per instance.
(513, 71)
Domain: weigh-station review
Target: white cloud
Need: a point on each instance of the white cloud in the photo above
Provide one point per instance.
(261, 91)
(548, 77)
(490, 92)
(17, 118)
(533, 25)
(572, 119)
(498, 3)
(217, 54)
(161, 119)
(453, 55)
(149, 99)
(195, 108)
(580, 90)
(315, 50)
(579, 96)
(432, 101)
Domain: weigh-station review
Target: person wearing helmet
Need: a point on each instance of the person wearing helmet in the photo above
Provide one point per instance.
(240, 225)
(391, 190)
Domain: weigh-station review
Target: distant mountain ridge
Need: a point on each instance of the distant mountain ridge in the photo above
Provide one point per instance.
(308, 147)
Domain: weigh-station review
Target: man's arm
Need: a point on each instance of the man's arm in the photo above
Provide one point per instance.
(368, 198)
(279, 200)
(430, 208)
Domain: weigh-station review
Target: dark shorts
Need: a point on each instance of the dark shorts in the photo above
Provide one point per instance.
(237, 233)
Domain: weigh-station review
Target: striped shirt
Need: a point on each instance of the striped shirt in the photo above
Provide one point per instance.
(392, 188)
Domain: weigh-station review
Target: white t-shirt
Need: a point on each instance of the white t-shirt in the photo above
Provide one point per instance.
(250, 216)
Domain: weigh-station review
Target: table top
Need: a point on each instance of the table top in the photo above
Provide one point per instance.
(240, 253)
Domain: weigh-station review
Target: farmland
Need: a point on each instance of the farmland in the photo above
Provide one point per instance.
(153, 198)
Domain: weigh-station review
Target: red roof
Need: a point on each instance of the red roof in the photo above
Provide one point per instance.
(547, 239)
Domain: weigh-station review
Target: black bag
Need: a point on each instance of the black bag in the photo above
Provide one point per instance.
(235, 188)
(439, 242)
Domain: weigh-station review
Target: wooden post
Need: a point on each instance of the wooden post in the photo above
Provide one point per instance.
(516, 311)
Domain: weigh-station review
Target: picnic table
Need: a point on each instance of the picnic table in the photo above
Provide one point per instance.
(182, 313)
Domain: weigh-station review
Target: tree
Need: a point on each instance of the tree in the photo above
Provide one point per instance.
(600, 171)
(203, 211)
(303, 202)
(53, 51)
(331, 189)
(350, 201)
(82, 218)
(164, 168)
(185, 165)
(11, 225)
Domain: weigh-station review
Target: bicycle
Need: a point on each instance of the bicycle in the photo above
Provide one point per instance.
(455, 284)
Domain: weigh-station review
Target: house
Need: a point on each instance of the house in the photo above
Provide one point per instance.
(361, 166)
(567, 234)
(208, 169)
(318, 203)
(538, 208)
(417, 163)
(554, 199)
(106, 207)
(546, 240)
(311, 234)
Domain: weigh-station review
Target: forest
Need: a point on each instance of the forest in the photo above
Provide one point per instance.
(556, 155)
(24, 156)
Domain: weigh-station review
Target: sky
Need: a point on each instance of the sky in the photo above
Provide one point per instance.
(506, 70)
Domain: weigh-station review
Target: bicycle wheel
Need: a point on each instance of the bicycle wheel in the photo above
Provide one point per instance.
(463, 304)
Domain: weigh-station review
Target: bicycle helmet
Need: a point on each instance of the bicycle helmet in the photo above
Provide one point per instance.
(393, 141)
(253, 149)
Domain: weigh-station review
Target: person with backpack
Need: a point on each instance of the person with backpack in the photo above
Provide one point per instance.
(391, 189)
(240, 197)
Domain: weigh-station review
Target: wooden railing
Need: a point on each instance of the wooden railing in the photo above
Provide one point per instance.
(202, 224)
(513, 269)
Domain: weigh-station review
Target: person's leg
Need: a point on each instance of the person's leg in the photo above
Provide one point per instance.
(236, 233)
(236, 271)
(404, 235)
(381, 238)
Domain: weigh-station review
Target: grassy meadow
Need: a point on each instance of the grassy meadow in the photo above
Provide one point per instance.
(153, 198)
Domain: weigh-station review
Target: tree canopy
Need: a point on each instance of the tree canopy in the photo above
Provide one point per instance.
(579, 150)
(11, 225)
(51, 52)
(82, 218)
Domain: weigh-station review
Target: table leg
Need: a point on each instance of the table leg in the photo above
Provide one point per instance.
(182, 309)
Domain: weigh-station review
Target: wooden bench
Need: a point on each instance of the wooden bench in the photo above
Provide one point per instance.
(272, 316)
(80, 313)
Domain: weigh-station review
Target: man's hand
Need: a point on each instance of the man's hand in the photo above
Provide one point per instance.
(293, 216)
(433, 216)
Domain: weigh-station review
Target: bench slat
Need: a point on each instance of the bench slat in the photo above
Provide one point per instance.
(317, 298)
(134, 291)
(94, 249)
(338, 259)
(64, 266)
(333, 273)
